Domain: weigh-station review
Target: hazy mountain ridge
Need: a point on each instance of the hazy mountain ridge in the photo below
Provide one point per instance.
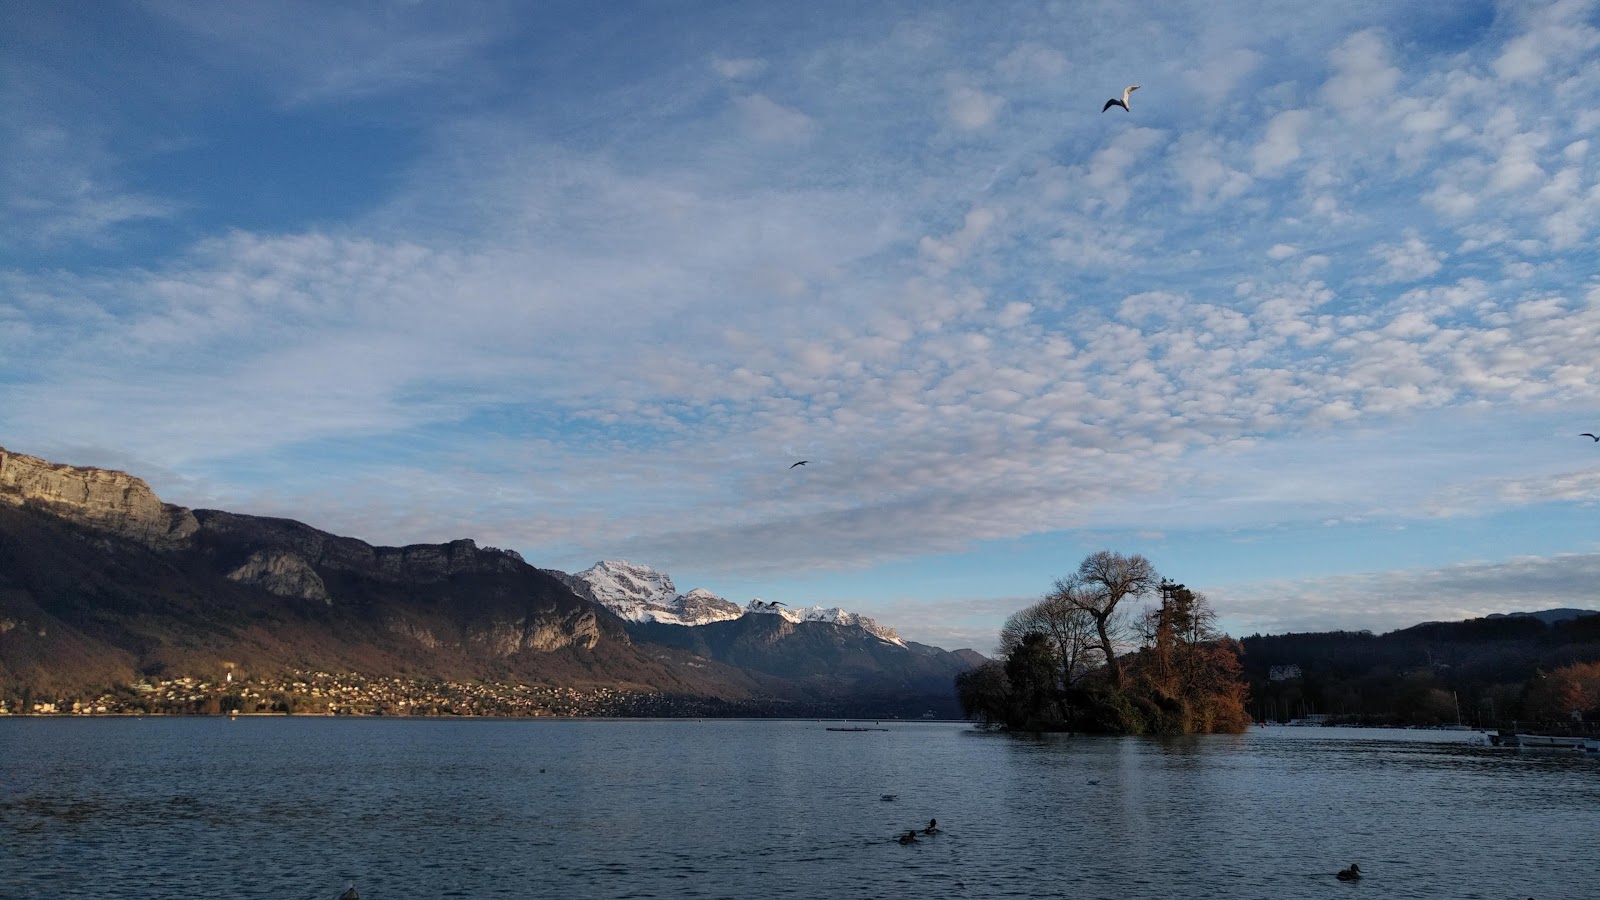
(1548, 616)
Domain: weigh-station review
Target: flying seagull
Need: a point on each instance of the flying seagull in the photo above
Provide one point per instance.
(1123, 102)
(1588, 435)
(801, 463)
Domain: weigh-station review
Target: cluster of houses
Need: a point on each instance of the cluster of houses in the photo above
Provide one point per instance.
(323, 693)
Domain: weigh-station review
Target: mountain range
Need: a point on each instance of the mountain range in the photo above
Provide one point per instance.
(104, 586)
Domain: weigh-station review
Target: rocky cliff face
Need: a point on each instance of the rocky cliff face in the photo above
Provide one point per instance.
(101, 498)
(283, 574)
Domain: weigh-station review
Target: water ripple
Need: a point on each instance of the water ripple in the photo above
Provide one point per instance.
(300, 808)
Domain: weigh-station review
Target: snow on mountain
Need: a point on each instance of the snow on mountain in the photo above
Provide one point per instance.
(833, 615)
(639, 593)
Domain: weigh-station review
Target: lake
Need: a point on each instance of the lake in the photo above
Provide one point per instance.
(304, 807)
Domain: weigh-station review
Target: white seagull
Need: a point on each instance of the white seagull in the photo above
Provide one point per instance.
(1124, 101)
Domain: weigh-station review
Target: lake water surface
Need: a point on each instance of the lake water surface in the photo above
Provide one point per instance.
(303, 807)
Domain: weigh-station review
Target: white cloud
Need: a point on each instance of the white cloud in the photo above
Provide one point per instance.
(1409, 260)
(1363, 81)
(738, 69)
(62, 185)
(1219, 77)
(1557, 33)
(971, 109)
(944, 254)
(1280, 145)
(1030, 60)
(771, 122)
(312, 54)
(1202, 164)
(1517, 165)
(1112, 169)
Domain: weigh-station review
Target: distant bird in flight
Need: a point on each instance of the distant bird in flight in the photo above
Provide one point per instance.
(1590, 436)
(801, 463)
(1123, 102)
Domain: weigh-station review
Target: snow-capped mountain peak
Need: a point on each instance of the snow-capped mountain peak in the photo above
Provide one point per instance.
(833, 615)
(641, 594)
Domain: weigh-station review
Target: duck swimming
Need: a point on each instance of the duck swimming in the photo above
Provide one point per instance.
(909, 837)
(1351, 874)
(933, 827)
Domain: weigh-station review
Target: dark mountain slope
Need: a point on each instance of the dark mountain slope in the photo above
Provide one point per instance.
(82, 608)
(103, 586)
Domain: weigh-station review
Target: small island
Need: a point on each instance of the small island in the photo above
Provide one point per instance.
(1065, 665)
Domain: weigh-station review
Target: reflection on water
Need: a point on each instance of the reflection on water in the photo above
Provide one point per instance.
(299, 808)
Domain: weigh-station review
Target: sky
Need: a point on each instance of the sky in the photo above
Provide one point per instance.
(1312, 325)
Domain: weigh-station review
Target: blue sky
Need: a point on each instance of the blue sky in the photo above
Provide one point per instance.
(1312, 325)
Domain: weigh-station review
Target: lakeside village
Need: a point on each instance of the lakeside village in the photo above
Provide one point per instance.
(321, 693)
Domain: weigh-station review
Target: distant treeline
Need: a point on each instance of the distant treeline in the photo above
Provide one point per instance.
(1495, 670)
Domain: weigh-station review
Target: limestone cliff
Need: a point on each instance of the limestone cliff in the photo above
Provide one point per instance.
(506, 638)
(282, 573)
(105, 499)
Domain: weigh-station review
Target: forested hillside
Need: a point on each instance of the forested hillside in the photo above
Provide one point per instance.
(1496, 669)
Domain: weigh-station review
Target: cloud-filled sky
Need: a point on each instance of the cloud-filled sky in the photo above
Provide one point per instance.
(1312, 325)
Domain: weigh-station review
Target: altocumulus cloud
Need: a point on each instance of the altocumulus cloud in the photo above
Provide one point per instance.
(592, 312)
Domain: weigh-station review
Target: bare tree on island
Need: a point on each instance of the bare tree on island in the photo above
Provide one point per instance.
(1069, 629)
(1102, 582)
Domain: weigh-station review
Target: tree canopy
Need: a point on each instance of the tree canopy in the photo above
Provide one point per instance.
(1079, 660)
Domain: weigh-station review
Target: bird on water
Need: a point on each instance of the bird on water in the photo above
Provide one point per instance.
(933, 827)
(350, 894)
(801, 463)
(1123, 102)
(1351, 874)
